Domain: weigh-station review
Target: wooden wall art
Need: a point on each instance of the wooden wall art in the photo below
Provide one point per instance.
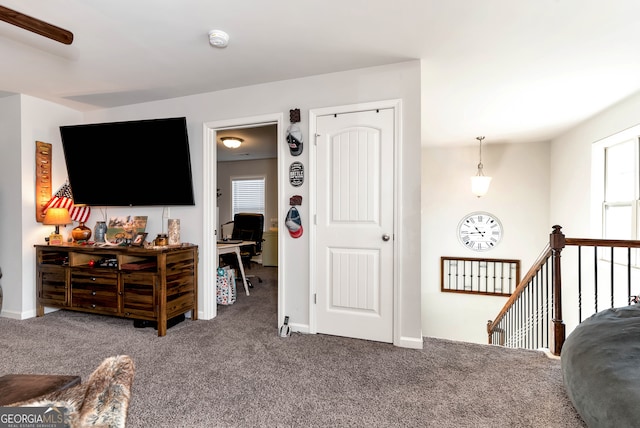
(43, 177)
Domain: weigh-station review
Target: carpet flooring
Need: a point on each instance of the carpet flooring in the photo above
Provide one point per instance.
(235, 371)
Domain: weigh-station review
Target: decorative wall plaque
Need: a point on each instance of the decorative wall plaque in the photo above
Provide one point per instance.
(43, 177)
(296, 174)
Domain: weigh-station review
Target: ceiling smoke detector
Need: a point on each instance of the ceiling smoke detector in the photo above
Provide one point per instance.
(218, 38)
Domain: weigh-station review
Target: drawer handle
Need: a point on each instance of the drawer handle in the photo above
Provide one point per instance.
(93, 293)
(93, 278)
(93, 306)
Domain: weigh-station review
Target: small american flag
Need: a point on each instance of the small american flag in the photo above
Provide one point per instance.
(63, 198)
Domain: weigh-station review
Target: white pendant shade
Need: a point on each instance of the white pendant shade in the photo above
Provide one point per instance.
(480, 185)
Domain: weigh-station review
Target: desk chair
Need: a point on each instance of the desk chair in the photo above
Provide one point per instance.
(247, 227)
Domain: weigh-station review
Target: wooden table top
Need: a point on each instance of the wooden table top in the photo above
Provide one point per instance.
(21, 387)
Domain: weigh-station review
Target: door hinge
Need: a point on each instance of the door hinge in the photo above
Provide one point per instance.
(315, 298)
(315, 219)
(315, 140)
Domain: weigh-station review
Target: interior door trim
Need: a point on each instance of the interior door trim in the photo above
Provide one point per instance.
(206, 285)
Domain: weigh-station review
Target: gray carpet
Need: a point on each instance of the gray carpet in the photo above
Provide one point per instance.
(234, 371)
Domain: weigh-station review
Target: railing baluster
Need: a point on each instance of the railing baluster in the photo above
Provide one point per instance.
(547, 324)
(611, 279)
(595, 276)
(579, 284)
(629, 275)
(535, 306)
(545, 310)
(527, 329)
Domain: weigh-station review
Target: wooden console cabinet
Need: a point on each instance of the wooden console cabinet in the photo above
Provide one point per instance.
(153, 284)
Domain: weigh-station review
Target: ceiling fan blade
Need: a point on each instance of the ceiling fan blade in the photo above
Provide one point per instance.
(35, 25)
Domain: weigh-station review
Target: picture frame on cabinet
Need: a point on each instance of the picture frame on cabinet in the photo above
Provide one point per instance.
(138, 240)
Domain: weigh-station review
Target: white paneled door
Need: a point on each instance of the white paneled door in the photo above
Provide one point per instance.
(354, 235)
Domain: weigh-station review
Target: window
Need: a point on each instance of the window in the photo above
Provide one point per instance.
(621, 178)
(616, 191)
(247, 195)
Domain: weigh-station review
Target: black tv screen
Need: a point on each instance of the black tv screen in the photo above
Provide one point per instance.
(144, 162)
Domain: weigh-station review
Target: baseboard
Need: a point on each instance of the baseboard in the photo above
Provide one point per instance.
(410, 342)
(203, 318)
(299, 328)
(18, 315)
(548, 353)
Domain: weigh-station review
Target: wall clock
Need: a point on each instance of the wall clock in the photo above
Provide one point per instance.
(480, 231)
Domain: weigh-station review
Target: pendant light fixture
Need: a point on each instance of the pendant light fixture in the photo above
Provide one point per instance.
(480, 182)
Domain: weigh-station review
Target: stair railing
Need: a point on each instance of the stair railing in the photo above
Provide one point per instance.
(532, 318)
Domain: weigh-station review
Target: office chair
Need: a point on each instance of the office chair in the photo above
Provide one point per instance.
(247, 227)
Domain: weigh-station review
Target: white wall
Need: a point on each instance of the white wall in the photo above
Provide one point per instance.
(266, 167)
(571, 204)
(571, 166)
(10, 203)
(25, 120)
(518, 196)
(398, 81)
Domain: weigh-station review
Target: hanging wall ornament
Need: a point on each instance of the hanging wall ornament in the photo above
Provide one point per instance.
(294, 135)
(296, 174)
(294, 223)
(43, 178)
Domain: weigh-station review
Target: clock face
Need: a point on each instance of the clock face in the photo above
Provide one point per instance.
(480, 231)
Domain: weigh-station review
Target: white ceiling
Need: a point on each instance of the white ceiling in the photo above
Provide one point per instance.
(259, 142)
(512, 70)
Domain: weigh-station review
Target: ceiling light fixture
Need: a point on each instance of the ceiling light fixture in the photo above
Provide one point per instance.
(218, 38)
(232, 142)
(480, 182)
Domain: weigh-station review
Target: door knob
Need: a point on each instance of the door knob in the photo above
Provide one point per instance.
(385, 237)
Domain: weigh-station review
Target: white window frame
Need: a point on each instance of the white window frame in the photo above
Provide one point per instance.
(599, 197)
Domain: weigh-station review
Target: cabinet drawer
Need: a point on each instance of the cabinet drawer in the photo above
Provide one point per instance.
(53, 286)
(139, 294)
(95, 291)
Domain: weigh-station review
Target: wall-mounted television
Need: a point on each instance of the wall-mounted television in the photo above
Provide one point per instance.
(143, 163)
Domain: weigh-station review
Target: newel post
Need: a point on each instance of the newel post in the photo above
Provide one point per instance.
(557, 243)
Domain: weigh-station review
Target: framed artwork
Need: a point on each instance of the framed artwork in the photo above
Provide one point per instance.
(125, 228)
(139, 239)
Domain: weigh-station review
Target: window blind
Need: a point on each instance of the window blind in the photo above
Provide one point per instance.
(247, 195)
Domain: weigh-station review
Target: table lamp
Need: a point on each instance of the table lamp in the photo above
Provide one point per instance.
(56, 217)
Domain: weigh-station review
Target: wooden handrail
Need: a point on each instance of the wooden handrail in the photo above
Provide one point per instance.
(533, 271)
(586, 242)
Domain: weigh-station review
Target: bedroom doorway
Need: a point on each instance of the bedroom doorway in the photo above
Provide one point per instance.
(246, 161)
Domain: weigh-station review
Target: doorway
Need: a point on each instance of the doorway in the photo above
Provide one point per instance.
(212, 131)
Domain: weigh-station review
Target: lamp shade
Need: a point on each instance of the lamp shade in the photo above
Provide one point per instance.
(480, 185)
(57, 217)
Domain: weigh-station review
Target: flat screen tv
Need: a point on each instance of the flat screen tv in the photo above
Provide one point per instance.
(143, 163)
